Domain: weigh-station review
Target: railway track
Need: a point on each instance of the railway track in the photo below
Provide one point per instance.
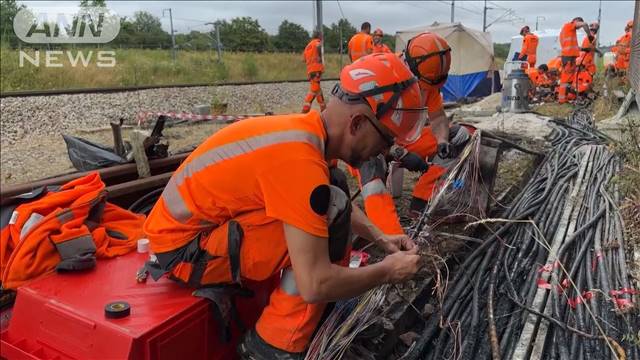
(107, 90)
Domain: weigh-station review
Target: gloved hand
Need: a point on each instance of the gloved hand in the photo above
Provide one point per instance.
(444, 150)
(413, 162)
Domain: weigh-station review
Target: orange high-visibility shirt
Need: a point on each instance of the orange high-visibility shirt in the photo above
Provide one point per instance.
(587, 56)
(381, 48)
(433, 100)
(361, 44)
(569, 40)
(529, 45)
(537, 78)
(313, 56)
(623, 44)
(272, 163)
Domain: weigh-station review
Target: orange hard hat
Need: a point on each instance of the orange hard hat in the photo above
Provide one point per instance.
(429, 58)
(385, 83)
(377, 32)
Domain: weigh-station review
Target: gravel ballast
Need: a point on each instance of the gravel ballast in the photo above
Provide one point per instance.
(31, 127)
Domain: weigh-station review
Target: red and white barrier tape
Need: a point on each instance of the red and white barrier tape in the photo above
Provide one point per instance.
(143, 116)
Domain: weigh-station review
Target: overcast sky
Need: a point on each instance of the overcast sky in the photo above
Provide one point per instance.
(388, 15)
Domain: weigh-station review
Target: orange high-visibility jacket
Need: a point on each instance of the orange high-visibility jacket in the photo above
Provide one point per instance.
(361, 44)
(272, 163)
(529, 46)
(313, 56)
(381, 48)
(623, 45)
(66, 229)
(569, 40)
(586, 56)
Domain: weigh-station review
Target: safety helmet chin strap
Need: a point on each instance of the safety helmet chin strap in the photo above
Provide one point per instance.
(414, 63)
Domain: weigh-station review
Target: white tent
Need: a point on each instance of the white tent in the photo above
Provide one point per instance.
(548, 45)
(472, 61)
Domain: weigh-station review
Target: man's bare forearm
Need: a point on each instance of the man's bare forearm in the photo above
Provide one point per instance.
(439, 126)
(363, 227)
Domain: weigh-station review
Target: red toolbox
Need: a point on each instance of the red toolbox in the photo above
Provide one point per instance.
(62, 316)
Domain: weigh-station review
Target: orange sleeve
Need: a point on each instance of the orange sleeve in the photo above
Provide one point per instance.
(286, 189)
(434, 101)
(525, 46)
(369, 48)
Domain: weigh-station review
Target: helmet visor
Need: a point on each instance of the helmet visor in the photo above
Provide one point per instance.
(407, 124)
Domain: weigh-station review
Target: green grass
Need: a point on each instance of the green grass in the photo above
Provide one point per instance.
(138, 67)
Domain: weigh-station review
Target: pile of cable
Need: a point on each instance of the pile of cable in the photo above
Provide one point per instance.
(550, 278)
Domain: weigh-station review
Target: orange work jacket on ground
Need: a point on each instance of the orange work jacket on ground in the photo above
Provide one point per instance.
(537, 78)
(361, 44)
(313, 56)
(569, 40)
(65, 229)
(271, 163)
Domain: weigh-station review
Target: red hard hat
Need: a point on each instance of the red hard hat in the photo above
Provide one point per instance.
(429, 58)
(384, 82)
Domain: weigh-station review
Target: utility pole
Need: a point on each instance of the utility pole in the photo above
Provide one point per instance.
(318, 22)
(539, 18)
(173, 34)
(453, 7)
(600, 26)
(216, 28)
(484, 17)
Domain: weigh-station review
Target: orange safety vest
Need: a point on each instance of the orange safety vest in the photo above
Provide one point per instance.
(361, 44)
(569, 40)
(244, 167)
(623, 45)
(65, 230)
(529, 45)
(313, 57)
(381, 48)
(586, 57)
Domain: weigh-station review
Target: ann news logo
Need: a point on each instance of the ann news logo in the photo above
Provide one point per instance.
(90, 25)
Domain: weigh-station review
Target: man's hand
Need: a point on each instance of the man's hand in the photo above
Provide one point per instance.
(395, 243)
(402, 265)
(413, 162)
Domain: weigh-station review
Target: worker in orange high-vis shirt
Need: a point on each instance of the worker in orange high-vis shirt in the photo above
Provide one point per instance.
(570, 51)
(529, 47)
(623, 50)
(313, 58)
(587, 51)
(378, 46)
(429, 57)
(257, 199)
(361, 44)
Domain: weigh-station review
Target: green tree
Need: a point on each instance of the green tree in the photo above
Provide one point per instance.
(332, 35)
(148, 31)
(8, 11)
(291, 37)
(243, 34)
(93, 3)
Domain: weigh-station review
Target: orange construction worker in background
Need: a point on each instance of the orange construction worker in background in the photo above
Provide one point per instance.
(361, 44)
(570, 51)
(313, 58)
(623, 50)
(257, 199)
(538, 76)
(586, 59)
(529, 47)
(429, 58)
(378, 46)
